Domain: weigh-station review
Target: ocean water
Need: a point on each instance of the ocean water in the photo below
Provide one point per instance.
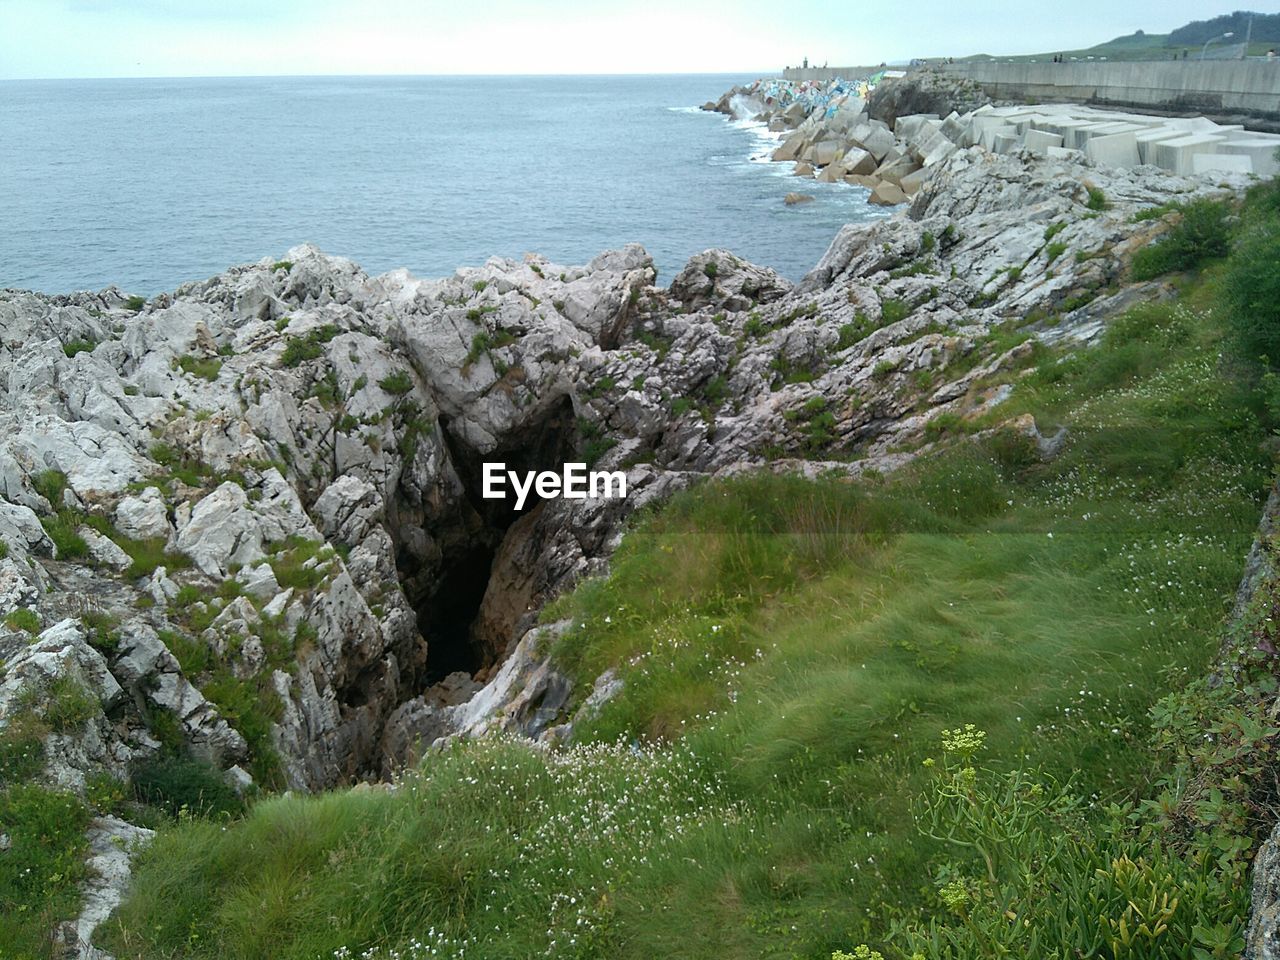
(149, 183)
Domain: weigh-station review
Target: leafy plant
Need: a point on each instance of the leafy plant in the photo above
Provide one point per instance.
(1203, 234)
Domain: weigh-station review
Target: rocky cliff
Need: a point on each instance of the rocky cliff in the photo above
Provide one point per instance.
(247, 515)
(245, 519)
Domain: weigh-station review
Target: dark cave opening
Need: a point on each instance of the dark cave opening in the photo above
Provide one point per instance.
(451, 612)
(452, 597)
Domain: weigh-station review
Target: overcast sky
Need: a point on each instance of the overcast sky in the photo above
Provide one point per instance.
(165, 38)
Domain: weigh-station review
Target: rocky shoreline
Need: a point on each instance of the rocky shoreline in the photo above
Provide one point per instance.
(244, 516)
(889, 137)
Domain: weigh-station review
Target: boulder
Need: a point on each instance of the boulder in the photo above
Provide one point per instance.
(791, 199)
(144, 516)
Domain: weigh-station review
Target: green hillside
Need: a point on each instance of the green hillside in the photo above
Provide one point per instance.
(1186, 41)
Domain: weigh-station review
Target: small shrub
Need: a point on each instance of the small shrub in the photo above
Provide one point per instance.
(206, 368)
(285, 265)
(1251, 294)
(1203, 234)
(180, 785)
(105, 793)
(299, 349)
(711, 269)
(593, 442)
(309, 347)
(891, 311)
(480, 345)
(1097, 199)
(1053, 230)
(1054, 251)
(78, 346)
(68, 705)
(397, 384)
(135, 303)
(848, 336)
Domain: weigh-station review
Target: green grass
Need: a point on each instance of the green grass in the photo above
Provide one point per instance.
(23, 619)
(42, 868)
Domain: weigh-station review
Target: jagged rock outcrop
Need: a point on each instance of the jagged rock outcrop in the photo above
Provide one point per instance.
(255, 503)
(923, 92)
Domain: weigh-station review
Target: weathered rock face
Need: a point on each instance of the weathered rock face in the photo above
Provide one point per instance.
(276, 473)
(924, 91)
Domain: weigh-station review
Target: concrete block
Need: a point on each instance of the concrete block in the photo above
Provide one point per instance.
(981, 124)
(912, 182)
(1064, 153)
(1224, 162)
(887, 195)
(826, 152)
(791, 148)
(1108, 129)
(953, 128)
(1079, 136)
(1065, 127)
(910, 125)
(1039, 141)
(922, 147)
(894, 172)
(856, 160)
(861, 180)
(1148, 138)
(1115, 150)
(988, 136)
(1176, 155)
(1261, 151)
(940, 152)
(1006, 142)
(874, 137)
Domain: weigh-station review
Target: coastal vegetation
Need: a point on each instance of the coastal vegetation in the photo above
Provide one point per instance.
(957, 711)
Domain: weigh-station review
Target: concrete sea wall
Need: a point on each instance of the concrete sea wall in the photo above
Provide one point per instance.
(1235, 87)
(1241, 89)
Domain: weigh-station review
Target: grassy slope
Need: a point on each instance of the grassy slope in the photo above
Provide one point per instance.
(1151, 46)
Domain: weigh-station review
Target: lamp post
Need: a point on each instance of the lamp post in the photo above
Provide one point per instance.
(1205, 49)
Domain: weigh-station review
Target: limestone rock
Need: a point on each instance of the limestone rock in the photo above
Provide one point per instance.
(143, 516)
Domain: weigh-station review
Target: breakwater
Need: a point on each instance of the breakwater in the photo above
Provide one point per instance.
(1247, 91)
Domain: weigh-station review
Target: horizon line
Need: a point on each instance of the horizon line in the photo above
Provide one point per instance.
(316, 76)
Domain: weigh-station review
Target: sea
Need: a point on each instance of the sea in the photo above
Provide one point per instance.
(149, 183)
